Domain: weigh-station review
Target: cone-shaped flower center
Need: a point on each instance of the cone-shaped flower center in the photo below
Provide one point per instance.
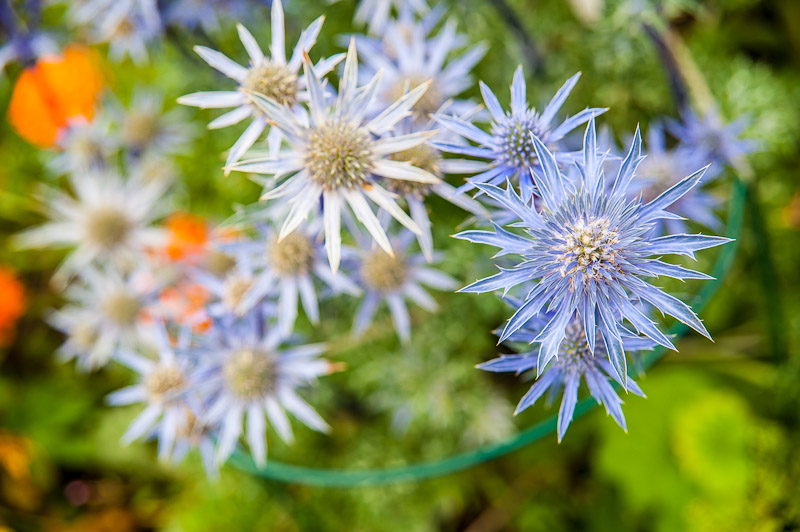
(122, 308)
(84, 335)
(164, 382)
(516, 147)
(424, 157)
(106, 227)
(339, 155)
(428, 104)
(139, 129)
(575, 347)
(589, 251)
(273, 81)
(218, 263)
(291, 256)
(383, 272)
(234, 290)
(250, 373)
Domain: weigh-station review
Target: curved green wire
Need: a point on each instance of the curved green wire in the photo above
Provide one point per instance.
(369, 477)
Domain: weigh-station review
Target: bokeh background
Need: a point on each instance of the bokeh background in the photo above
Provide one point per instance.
(712, 448)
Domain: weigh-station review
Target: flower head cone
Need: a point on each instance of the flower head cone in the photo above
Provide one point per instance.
(508, 149)
(339, 156)
(272, 76)
(591, 251)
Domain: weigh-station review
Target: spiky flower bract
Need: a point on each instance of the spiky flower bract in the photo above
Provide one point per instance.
(508, 148)
(339, 156)
(588, 251)
(575, 361)
(272, 76)
(395, 278)
(247, 372)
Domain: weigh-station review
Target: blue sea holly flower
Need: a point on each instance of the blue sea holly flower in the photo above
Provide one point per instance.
(339, 156)
(664, 167)
(248, 373)
(162, 386)
(712, 134)
(508, 148)
(272, 76)
(590, 250)
(575, 360)
(395, 278)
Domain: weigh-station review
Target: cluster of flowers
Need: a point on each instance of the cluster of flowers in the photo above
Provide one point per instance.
(207, 317)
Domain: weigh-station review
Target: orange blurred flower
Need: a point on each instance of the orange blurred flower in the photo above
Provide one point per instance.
(185, 304)
(188, 236)
(55, 90)
(12, 303)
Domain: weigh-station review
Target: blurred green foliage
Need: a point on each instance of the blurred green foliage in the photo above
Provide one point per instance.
(710, 449)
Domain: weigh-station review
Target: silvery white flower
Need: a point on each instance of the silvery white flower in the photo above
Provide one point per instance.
(107, 220)
(337, 155)
(272, 76)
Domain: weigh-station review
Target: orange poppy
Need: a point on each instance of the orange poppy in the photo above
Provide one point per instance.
(55, 90)
(12, 303)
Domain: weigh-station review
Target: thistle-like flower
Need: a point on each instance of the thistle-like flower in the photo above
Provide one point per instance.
(85, 147)
(287, 268)
(126, 25)
(145, 129)
(663, 168)
(105, 312)
(588, 251)
(395, 278)
(273, 77)
(712, 134)
(338, 156)
(162, 386)
(376, 13)
(247, 372)
(106, 221)
(408, 57)
(508, 148)
(574, 361)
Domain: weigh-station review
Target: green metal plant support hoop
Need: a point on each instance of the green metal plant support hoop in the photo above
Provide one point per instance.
(436, 468)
